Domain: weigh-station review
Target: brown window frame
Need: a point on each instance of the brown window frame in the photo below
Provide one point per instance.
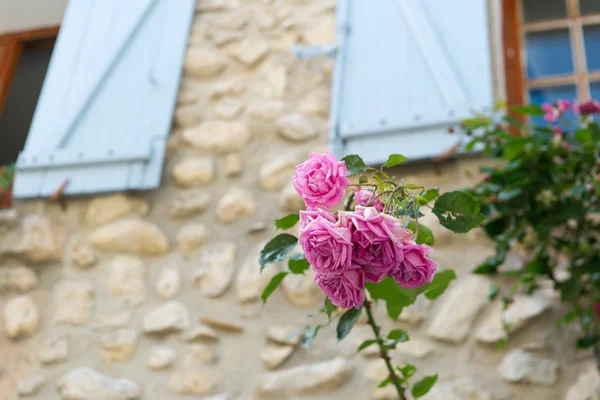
(11, 47)
(513, 34)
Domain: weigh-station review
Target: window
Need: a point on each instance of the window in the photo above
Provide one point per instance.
(560, 42)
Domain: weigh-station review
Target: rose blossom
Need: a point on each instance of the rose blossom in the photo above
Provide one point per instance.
(327, 246)
(416, 268)
(363, 196)
(377, 240)
(563, 105)
(551, 112)
(307, 216)
(346, 290)
(587, 108)
(321, 180)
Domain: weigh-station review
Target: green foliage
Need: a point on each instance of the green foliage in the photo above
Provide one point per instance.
(276, 249)
(346, 322)
(273, 284)
(298, 264)
(422, 387)
(458, 211)
(366, 344)
(355, 164)
(394, 159)
(7, 175)
(424, 235)
(287, 222)
(543, 196)
(329, 308)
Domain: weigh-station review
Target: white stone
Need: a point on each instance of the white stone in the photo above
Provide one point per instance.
(54, 351)
(85, 383)
(113, 320)
(519, 312)
(166, 317)
(9, 217)
(187, 116)
(459, 308)
(130, 236)
(161, 357)
(415, 348)
(219, 136)
(301, 290)
(21, 279)
(201, 332)
(195, 354)
(229, 87)
(309, 378)
(278, 170)
(82, 255)
(274, 355)
(126, 279)
(234, 164)
(250, 282)
(249, 51)
(105, 209)
(30, 385)
(186, 96)
(21, 317)
(228, 108)
(283, 334)
(189, 205)
(213, 5)
(296, 128)
(234, 20)
(587, 385)
(323, 32)
(236, 204)
(194, 171)
(73, 302)
(168, 282)
(416, 312)
(118, 345)
(458, 390)
(41, 240)
(315, 103)
(376, 371)
(290, 200)
(359, 334)
(216, 269)
(200, 380)
(221, 38)
(271, 81)
(223, 324)
(191, 236)
(265, 22)
(520, 366)
(204, 62)
(267, 110)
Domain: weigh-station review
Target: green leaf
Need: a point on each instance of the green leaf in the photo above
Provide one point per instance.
(583, 135)
(394, 159)
(309, 336)
(329, 307)
(509, 194)
(366, 344)
(586, 341)
(494, 290)
(425, 234)
(395, 297)
(355, 164)
(394, 310)
(287, 222)
(346, 322)
(440, 282)
(407, 371)
(528, 110)
(363, 179)
(421, 388)
(277, 248)
(491, 264)
(270, 288)
(431, 194)
(471, 124)
(384, 382)
(570, 289)
(298, 264)
(458, 211)
(398, 335)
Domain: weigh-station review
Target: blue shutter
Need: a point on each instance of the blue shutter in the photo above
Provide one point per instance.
(405, 71)
(106, 105)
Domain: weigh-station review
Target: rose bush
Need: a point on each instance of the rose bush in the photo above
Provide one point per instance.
(373, 249)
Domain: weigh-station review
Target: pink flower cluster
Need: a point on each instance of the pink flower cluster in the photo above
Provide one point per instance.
(553, 111)
(350, 248)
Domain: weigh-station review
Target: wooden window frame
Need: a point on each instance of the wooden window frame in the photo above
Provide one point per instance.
(11, 46)
(513, 35)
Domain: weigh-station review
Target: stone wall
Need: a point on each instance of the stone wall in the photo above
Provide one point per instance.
(156, 295)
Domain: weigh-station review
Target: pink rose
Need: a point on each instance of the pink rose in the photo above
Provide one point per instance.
(563, 105)
(346, 290)
(321, 180)
(327, 246)
(308, 216)
(587, 108)
(363, 196)
(416, 268)
(377, 241)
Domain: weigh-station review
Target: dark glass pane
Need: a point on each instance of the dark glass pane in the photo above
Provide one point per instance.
(595, 90)
(591, 37)
(587, 7)
(536, 10)
(540, 96)
(548, 53)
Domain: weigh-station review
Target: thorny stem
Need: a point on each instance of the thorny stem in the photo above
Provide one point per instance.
(384, 353)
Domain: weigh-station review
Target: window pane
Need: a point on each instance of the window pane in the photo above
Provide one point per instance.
(587, 7)
(549, 94)
(536, 10)
(591, 35)
(595, 90)
(549, 53)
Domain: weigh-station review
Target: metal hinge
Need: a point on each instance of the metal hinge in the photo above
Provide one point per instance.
(306, 52)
